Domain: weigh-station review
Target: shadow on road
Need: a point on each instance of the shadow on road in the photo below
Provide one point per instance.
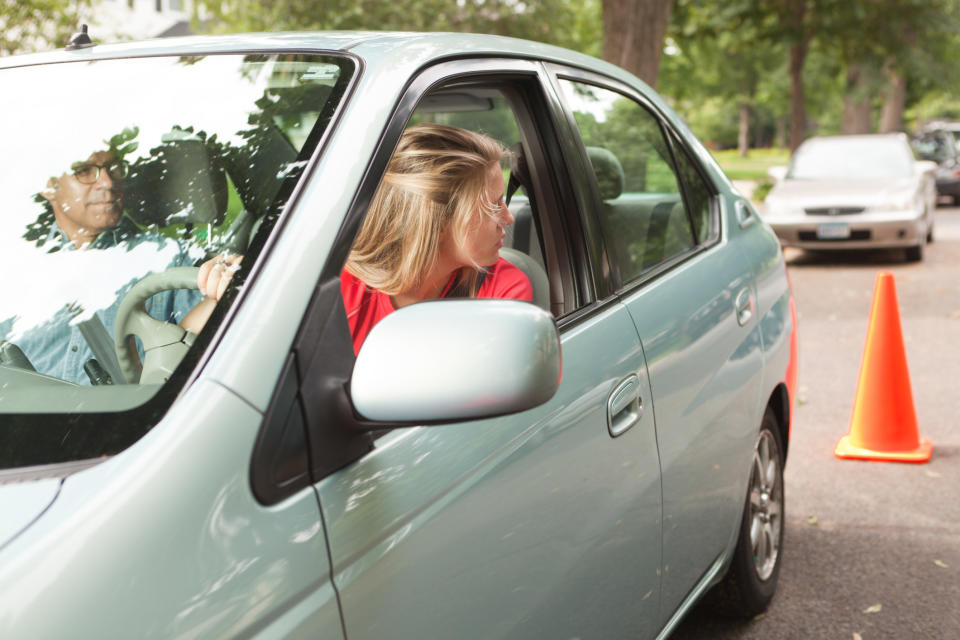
(862, 257)
(833, 577)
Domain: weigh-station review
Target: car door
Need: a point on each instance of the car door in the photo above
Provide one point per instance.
(545, 523)
(690, 294)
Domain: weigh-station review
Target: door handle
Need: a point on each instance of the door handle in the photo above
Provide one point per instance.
(744, 306)
(624, 406)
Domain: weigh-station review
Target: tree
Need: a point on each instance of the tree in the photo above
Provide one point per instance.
(572, 24)
(633, 35)
(33, 25)
(720, 54)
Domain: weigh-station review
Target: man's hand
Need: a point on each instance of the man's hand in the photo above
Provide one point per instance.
(216, 273)
(214, 277)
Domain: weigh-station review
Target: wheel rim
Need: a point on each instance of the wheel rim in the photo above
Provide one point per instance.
(766, 505)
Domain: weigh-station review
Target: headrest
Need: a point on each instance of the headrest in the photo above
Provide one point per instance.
(178, 183)
(608, 171)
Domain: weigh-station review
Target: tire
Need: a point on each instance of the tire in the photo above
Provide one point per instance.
(751, 580)
(914, 254)
(930, 234)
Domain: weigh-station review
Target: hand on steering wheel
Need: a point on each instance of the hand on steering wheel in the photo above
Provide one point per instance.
(164, 344)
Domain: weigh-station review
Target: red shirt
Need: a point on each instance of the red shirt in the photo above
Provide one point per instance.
(366, 306)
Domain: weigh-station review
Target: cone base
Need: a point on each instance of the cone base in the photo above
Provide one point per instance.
(921, 454)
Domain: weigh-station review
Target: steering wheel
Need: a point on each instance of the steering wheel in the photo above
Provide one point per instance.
(164, 343)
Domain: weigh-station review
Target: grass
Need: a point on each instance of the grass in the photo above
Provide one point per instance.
(754, 166)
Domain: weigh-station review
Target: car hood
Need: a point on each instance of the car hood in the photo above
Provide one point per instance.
(21, 503)
(841, 192)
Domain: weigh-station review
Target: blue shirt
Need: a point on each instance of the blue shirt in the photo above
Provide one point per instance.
(57, 347)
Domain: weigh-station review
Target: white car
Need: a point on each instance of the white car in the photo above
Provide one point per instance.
(853, 192)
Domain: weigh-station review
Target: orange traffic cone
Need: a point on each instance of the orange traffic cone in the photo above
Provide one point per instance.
(884, 423)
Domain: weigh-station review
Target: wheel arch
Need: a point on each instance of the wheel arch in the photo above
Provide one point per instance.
(779, 403)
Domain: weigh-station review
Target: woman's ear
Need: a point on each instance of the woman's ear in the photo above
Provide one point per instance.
(52, 185)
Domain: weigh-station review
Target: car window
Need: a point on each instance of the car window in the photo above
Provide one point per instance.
(643, 217)
(119, 169)
(699, 196)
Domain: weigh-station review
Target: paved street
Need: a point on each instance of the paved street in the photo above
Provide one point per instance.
(872, 549)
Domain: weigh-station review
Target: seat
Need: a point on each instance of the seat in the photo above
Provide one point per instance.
(535, 272)
(180, 183)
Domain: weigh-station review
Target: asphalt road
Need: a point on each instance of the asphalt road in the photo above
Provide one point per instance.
(872, 549)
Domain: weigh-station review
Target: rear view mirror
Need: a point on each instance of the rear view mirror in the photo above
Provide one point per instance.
(447, 360)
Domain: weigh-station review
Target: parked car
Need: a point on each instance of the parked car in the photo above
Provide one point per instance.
(854, 192)
(250, 481)
(941, 146)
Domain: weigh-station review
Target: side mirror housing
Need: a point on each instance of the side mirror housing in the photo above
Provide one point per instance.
(921, 167)
(451, 360)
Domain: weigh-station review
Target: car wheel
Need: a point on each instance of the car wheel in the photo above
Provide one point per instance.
(930, 234)
(751, 580)
(915, 254)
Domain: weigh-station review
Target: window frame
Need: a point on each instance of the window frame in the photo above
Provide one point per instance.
(314, 384)
(674, 141)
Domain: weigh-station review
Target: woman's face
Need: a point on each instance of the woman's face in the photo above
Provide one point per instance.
(484, 239)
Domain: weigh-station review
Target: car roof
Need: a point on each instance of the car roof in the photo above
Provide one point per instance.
(380, 48)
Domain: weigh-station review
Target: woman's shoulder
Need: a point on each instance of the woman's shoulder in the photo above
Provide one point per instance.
(353, 289)
(504, 280)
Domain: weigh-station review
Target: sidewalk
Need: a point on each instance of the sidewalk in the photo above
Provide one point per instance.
(745, 187)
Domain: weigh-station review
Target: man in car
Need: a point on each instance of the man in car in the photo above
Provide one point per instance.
(91, 255)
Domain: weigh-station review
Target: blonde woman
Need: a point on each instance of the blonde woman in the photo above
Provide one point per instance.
(434, 229)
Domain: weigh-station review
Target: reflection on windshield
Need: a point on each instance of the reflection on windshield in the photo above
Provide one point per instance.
(851, 158)
(117, 169)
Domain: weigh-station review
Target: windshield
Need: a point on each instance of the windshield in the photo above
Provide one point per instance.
(840, 158)
(117, 170)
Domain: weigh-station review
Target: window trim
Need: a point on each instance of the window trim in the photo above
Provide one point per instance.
(673, 139)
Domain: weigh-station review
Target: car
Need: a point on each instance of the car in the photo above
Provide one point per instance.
(941, 146)
(594, 462)
(854, 192)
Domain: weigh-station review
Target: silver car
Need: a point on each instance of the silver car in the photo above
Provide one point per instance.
(458, 477)
(854, 192)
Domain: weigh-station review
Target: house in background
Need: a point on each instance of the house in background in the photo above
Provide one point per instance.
(116, 20)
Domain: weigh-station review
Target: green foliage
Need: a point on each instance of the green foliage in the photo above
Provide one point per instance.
(574, 23)
(124, 142)
(723, 53)
(36, 25)
(761, 190)
(754, 166)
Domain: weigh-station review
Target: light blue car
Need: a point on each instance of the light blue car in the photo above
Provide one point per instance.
(590, 465)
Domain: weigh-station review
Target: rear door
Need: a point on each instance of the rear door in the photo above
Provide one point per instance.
(539, 524)
(690, 295)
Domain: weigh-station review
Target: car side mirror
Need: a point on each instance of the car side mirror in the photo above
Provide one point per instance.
(777, 172)
(921, 167)
(451, 360)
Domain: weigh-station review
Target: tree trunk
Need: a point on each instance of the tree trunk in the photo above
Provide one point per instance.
(633, 33)
(857, 101)
(796, 16)
(798, 110)
(743, 135)
(895, 97)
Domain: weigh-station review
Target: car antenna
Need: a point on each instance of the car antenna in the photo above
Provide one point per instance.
(80, 40)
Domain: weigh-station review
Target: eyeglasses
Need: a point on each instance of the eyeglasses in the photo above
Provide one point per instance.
(88, 173)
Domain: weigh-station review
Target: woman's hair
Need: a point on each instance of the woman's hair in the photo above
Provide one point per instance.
(437, 178)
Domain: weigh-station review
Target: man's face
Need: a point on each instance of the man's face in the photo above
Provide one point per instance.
(85, 202)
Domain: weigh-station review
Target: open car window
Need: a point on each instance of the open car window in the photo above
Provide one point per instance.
(119, 169)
